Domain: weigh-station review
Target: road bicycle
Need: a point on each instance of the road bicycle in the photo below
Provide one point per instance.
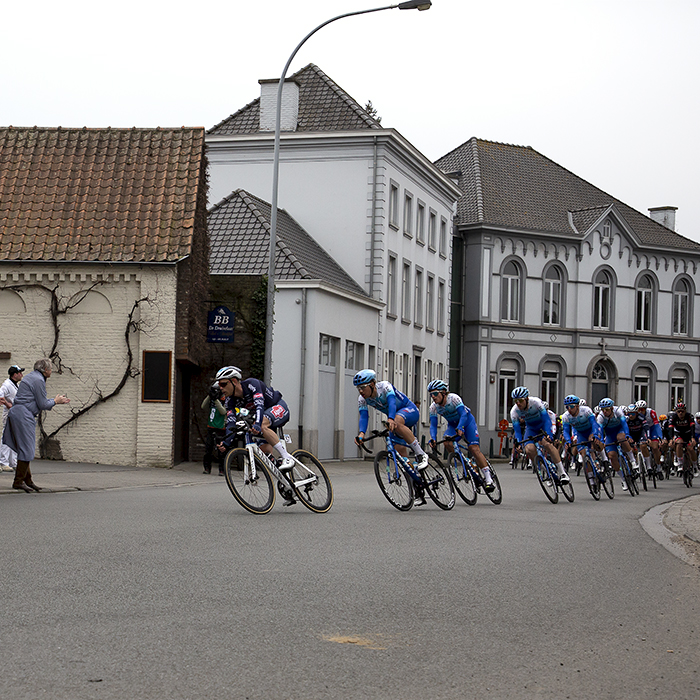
(651, 472)
(626, 467)
(602, 473)
(687, 467)
(547, 473)
(249, 473)
(466, 477)
(399, 479)
(518, 458)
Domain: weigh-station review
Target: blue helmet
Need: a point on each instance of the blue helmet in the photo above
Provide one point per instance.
(520, 392)
(364, 376)
(606, 403)
(437, 385)
(572, 400)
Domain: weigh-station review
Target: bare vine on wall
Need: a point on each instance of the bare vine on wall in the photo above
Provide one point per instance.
(49, 447)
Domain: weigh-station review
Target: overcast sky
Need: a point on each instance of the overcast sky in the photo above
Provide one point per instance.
(608, 89)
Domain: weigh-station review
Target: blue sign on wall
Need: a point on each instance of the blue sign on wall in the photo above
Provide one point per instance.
(220, 324)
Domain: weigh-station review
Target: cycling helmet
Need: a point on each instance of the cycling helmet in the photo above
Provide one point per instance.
(630, 409)
(583, 402)
(437, 385)
(663, 417)
(520, 392)
(680, 405)
(697, 416)
(606, 403)
(596, 410)
(546, 406)
(572, 400)
(641, 405)
(364, 376)
(229, 372)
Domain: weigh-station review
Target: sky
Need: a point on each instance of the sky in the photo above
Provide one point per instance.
(607, 89)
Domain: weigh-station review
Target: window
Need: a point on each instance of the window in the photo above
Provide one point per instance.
(645, 300)
(552, 297)
(391, 366)
(550, 385)
(507, 376)
(406, 292)
(510, 292)
(430, 303)
(602, 287)
(354, 355)
(394, 205)
(681, 300)
(418, 298)
(328, 351)
(600, 385)
(432, 230)
(408, 215)
(443, 237)
(157, 369)
(406, 374)
(391, 287)
(420, 224)
(678, 387)
(641, 384)
(441, 307)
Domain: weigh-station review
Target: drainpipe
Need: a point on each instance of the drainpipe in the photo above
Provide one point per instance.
(302, 372)
(456, 320)
(372, 239)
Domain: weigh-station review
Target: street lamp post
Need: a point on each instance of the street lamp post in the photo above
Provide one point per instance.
(270, 317)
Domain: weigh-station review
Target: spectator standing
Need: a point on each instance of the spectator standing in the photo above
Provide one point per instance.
(20, 430)
(8, 391)
(216, 427)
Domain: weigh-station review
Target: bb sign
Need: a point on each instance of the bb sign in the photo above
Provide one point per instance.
(220, 324)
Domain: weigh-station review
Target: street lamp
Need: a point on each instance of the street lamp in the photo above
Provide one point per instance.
(270, 317)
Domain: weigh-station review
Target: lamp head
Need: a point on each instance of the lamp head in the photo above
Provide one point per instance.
(415, 5)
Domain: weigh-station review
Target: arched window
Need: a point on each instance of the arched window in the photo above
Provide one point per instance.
(681, 306)
(550, 380)
(641, 387)
(601, 382)
(508, 375)
(511, 292)
(645, 304)
(602, 297)
(552, 297)
(679, 386)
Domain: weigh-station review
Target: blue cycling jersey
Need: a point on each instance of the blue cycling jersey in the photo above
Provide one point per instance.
(583, 422)
(535, 417)
(454, 412)
(388, 400)
(616, 421)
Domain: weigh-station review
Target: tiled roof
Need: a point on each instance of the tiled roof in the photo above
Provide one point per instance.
(108, 195)
(517, 187)
(323, 106)
(239, 232)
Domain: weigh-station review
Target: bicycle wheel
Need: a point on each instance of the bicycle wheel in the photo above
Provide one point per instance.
(642, 469)
(626, 470)
(395, 484)
(438, 484)
(687, 471)
(311, 483)
(651, 474)
(256, 495)
(594, 483)
(608, 481)
(461, 478)
(545, 479)
(496, 495)
(567, 490)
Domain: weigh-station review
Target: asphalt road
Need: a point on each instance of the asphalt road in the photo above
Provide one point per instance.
(177, 592)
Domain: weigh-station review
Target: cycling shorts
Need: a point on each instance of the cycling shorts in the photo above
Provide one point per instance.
(583, 435)
(655, 432)
(410, 415)
(471, 432)
(532, 429)
(610, 435)
(278, 414)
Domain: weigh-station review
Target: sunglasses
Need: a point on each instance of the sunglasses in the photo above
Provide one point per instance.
(224, 382)
(435, 393)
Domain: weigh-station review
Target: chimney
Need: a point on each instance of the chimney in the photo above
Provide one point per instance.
(666, 216)
(268, 104)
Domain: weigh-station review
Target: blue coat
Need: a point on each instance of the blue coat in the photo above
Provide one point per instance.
(20, 430)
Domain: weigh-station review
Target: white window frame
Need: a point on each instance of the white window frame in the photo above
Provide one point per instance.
(408, 215)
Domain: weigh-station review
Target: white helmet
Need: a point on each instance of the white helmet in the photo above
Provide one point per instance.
(229, 372)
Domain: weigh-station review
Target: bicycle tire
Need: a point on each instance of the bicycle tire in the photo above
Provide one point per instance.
(642, 469)
(626, 470)
(317, 495)
(608, 481)
(651, 475)
(594, 484)
(461, 479)
(545, 479)
(496, 495)
(438, 485)
(567, 490)
(393, 481)
(687, 471)
(256, 496)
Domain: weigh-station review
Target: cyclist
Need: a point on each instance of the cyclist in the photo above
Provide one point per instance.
(613, 424)
(697, 438)
(531, 409)
(652, 431)
(635, 425)
(270, 409)
(582, 421)
(683, 425)
(460, 422)
(402, 414)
